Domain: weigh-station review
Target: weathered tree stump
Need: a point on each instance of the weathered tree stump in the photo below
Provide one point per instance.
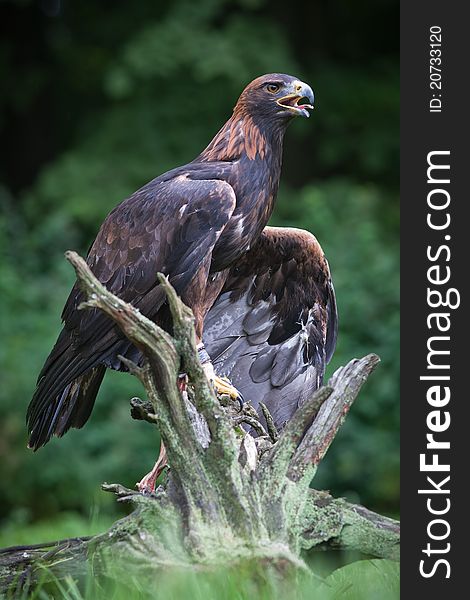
(229, 496)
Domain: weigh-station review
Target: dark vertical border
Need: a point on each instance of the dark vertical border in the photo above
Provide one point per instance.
(422, 132)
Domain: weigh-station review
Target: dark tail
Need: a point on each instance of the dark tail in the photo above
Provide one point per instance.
(65, 394)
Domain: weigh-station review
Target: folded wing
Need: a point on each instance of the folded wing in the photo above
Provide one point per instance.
(170, 226)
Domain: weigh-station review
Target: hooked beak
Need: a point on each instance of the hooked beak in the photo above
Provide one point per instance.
(294, 101)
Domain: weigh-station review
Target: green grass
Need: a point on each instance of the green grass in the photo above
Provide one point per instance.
(331, 578)
(66, 525)
(362, 580)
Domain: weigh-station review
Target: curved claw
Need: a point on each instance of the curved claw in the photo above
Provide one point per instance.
(241, 401)
(224, 386)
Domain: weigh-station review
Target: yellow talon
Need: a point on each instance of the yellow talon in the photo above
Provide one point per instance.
(223, 386)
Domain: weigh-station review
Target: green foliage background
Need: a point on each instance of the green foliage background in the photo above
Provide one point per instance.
(100, 97)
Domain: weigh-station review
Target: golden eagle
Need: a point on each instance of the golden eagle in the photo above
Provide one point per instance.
(262, 297)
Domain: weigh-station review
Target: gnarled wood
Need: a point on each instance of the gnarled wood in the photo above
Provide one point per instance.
(228, 497)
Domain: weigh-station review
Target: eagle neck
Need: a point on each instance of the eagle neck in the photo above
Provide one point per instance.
(245, 136)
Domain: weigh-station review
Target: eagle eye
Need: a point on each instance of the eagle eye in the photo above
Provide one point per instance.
(273, 87)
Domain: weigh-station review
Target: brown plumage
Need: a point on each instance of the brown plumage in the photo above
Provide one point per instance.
(196, 224)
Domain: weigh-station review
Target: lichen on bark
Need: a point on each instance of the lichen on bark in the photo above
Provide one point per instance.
(228, 496)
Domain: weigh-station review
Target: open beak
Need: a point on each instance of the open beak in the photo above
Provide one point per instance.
(300, 100)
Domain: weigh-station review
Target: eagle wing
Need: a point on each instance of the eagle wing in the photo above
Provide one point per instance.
(171, 226)
(273, 328)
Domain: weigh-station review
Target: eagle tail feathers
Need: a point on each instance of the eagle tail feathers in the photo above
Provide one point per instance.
(70, 407)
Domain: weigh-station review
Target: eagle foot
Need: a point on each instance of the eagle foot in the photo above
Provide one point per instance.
(148, 483)
(182, 382)
(223, 387)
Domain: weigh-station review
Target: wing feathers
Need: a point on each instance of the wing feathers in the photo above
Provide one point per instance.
(170, 226)
(273, 328)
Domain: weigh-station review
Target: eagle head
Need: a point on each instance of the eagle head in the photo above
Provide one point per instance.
(276, 95)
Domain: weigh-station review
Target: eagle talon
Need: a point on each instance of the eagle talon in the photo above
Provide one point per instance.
(223, 386)
(147, 484)
(241, 401)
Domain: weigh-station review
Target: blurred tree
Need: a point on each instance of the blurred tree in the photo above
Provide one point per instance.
(97, 99)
